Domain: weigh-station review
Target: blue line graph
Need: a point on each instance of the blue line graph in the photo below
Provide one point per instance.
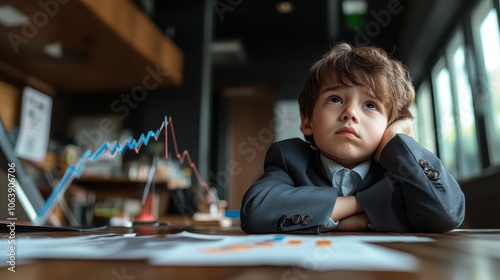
(75, 170)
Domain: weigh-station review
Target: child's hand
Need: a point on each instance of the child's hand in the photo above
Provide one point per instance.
(358, 222)
(404, 126)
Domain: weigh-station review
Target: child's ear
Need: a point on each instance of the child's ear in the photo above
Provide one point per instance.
(306, 125)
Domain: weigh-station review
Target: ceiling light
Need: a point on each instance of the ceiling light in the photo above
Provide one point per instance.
(354, 13)
(10, 16)
(226, 53)
(284, 7)
(54, 50)
(357, 7)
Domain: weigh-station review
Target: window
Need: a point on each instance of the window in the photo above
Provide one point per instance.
(465, 91)
(486, 30)
(469, 162)
(424, 118)
(446, 125)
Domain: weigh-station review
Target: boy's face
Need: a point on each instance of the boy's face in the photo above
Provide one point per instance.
(347, 122)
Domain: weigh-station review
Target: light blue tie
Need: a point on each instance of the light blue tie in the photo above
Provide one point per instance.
(346, 180)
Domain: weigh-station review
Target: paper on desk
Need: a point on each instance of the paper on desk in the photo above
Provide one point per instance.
(107, 246)
(97, 246)
(309, 252)
(486, 247)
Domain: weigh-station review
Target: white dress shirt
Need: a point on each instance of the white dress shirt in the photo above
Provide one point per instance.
(347, 180)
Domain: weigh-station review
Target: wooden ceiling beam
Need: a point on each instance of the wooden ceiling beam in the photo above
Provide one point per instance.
(96, 46)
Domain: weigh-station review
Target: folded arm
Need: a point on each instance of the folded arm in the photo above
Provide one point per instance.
(285, 198)
(346, 206)
(357, 222)
(417, 193)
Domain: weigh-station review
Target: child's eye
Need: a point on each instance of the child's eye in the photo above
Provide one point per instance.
(334, 99)
(371, 106)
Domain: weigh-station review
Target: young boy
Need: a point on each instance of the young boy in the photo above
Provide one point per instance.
(360, 168)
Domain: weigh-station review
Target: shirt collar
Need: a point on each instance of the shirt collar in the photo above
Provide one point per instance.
(331, 167)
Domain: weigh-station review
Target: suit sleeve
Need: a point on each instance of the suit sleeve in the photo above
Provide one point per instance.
(283, 200)
(417, 192)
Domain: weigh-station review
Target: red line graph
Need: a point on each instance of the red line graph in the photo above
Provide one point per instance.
(185, 154)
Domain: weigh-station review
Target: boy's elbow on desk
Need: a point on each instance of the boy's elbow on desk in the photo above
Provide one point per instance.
(251, 223)
(247, 224)
(444, 221)
(438, 226)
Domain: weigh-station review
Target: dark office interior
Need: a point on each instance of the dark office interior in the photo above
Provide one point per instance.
(235, 59)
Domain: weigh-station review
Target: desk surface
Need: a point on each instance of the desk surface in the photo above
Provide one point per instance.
(448, 258)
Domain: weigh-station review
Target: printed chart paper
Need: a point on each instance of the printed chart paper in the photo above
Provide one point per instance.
(318, 253)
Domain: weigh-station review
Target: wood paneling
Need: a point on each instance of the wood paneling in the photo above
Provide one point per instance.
(250, 132)
(9, 104)
(106, 45)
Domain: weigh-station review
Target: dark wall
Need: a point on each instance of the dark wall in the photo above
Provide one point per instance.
(426, 27)
(284, 66)
(481, 197)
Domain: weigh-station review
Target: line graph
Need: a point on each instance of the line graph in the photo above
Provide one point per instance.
(75, 170)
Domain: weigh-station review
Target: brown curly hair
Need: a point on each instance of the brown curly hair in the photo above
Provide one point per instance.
(367, 66)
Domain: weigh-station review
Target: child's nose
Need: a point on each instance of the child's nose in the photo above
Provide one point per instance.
(350, 113)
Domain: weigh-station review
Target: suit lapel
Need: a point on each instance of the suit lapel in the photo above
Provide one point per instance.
(375, 174)
(316, 171)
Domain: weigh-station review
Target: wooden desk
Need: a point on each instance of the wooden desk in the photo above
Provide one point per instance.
(448, 258)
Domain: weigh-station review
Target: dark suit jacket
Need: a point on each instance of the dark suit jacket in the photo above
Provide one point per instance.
(409, 191)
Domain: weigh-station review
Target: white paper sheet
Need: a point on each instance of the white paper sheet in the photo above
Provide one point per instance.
(307, 252)
(34, 130)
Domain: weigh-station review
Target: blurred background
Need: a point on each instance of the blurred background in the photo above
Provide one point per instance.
(228, 74)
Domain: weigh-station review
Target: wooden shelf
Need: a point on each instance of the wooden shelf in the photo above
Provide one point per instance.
(106, 46)
(122, 187)
(114, 180)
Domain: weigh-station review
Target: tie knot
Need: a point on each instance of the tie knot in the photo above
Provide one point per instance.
(346, 180)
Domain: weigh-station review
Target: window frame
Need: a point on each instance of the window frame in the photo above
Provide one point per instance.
(450, 161)
(458, 40)
(425, 117)
(477, 15)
